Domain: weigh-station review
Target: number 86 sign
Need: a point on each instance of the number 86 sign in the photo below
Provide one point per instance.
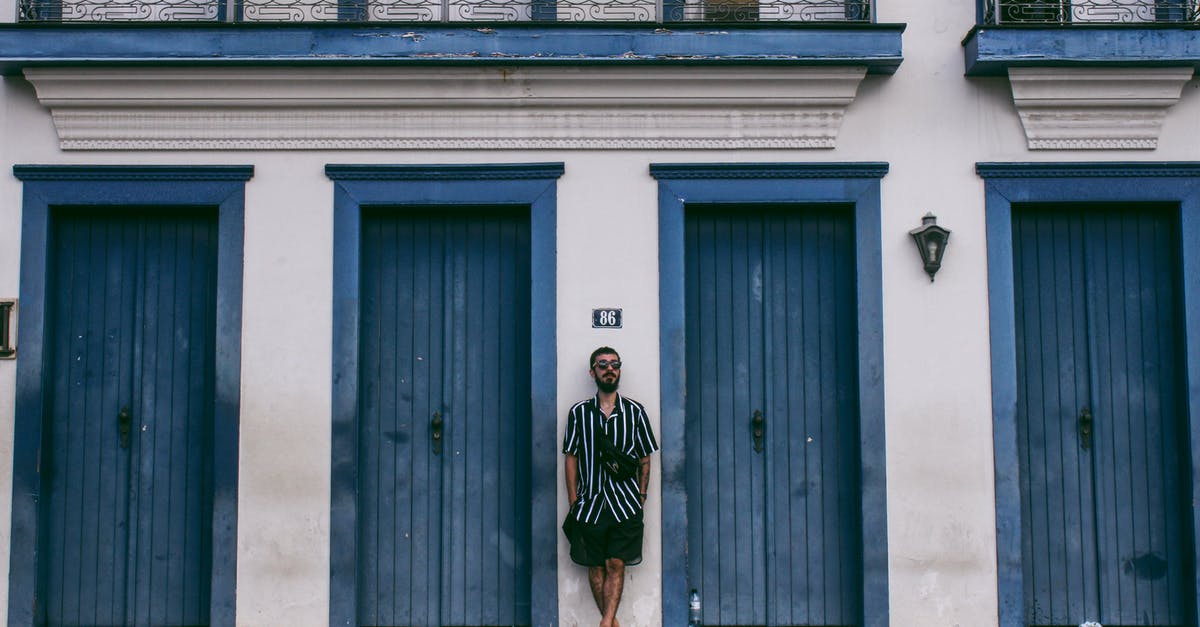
(609, 318)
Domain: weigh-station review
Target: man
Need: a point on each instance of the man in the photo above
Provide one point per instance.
(607, 511)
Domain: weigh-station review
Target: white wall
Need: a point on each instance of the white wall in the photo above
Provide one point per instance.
(927, 121)
(608, 257)
(283, 491)
(10, 253)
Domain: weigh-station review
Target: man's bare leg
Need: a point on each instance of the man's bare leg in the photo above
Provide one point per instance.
(596, 581)
(614, 582)
(596, 578)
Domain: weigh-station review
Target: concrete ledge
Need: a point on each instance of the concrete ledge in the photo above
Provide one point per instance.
(1095, 108)
(446, 108)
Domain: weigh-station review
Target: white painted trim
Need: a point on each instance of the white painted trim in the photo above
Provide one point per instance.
(1095, 108)
(477, 108)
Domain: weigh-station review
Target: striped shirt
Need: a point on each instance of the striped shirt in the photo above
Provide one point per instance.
(629, 429)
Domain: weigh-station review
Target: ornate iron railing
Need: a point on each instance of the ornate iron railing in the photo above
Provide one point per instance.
(447, 11)
(1108, 12)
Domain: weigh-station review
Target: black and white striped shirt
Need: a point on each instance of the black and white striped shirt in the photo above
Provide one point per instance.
(629, 429)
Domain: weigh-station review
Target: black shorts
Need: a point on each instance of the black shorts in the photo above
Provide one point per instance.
(592, 544)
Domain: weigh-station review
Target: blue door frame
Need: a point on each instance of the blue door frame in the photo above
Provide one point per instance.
(100, 187)
(1008, 184)
(363, 186)
(854, 184)
(773, 520)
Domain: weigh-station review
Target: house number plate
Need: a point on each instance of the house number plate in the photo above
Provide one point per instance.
(607, 318)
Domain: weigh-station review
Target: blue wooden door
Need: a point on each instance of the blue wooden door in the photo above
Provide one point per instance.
(1100, 417)
(774, 521)
(444, 430)
(125, 521)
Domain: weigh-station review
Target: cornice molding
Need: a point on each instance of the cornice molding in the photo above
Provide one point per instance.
(445, 172)
(672, 171)
(1088, 170)
(133, 173)
(1091, 108)
(446, 108)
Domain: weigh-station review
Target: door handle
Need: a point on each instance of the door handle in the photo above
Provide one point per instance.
(124, 425)
(1086, 427)
(435, 432)
(758, 428)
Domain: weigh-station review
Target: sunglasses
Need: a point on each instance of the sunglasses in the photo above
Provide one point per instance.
(604, 363)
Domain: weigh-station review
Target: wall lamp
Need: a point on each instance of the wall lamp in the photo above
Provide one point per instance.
(7, 350)
(931, 242)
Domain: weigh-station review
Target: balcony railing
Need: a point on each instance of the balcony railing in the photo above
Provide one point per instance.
(448, 11)
(1105, 12)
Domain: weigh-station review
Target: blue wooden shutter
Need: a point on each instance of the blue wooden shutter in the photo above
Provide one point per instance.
(1103, 516)
(445, 329)
(125, 526)
(773, 536)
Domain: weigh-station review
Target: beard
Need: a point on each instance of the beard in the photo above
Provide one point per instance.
(608, 386)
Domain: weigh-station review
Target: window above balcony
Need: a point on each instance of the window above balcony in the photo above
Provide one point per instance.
(1074, 33)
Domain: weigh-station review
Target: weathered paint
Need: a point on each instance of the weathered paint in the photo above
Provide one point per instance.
(991, 50)
(876, 46)
(1174, 184)
(363, 187)
(161, 188)
(854, 186)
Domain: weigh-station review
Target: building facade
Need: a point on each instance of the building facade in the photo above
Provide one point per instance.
(295, 297)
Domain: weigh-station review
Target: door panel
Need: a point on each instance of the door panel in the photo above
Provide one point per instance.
(815, 480)
(444, 536)
(1054, 379)
(728, 476)
(1138, 453)
(125, 526)
(773, 534)
(400, 515)
(1104, 515)
(174, 423)
(85, 473)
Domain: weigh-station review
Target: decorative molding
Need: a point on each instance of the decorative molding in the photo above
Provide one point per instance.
(132, 173)
(445, 172)
(1184, 169)
(672, 171)
(446, 108)
(1092, 108)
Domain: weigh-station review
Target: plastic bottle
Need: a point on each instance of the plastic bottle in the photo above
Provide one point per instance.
(694, 609)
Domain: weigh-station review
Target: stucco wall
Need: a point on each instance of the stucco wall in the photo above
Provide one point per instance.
(927, 121)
